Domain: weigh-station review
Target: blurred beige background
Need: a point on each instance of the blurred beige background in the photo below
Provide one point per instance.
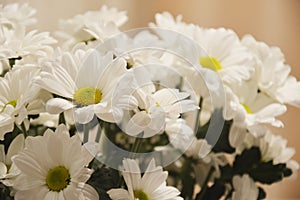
(276, 22)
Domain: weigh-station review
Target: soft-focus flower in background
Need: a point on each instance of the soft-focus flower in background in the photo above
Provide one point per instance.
(8, 169)
(19, 98)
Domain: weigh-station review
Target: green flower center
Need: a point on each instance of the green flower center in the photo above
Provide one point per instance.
(157, 104)
(140, 195)
(58, 178)
(87, 96)
(12, 102)
(247, 108)
(210, 63)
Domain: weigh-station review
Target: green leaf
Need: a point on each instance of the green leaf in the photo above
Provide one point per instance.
(104, 179)
(5, 192)
(214, 192)
(249, 162)
(261, 193)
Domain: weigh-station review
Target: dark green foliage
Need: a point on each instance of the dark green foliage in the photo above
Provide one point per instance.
(5, 192)
(249, 162)
(104, 179)
(214, 192)
(262, 194)
(188, 180)
(222, 144)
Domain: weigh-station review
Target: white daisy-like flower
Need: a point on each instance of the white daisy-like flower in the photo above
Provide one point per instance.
(250, 111)
(218, 49)
(244, 188)
(272, 74)
(85, 80)
(152, 108)
(180, 135)
(16, 43)
(17, 14)
(53, 166)
(18, 98)
(150, 186)
(92, 25)
(8, 170)
(272, 147)
(224, 53)
(166, 21)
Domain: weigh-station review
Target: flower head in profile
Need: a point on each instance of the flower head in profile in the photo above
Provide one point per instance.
(251, 111)
(53, 166)
(92, 25)
(244, 188)
(273, 148)
(18, 98)
(150, 186)
(8, 170)
(18, 44)
(272, 73)
(17, 14)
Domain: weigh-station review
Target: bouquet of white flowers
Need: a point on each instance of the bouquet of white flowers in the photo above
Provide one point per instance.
(171, 111)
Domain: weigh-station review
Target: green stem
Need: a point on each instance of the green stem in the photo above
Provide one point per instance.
(24, 130)
(97, 139)
(204, 186)
(188, 179)
(135, 147)
(86, 131)
(198, 115)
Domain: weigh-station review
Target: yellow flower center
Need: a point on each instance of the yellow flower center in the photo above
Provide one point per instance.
(12, 102)
(87, 96)
(140, 195)
(210, 63)
(247, 108)
(58, 178)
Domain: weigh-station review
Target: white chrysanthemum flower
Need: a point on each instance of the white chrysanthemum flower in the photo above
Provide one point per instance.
(244, 188)
(17, 14)
(218, 49)
(250, 111)
(224, 53)
(150, 186)
(85, 80)
(53, 166)
(166, 21)
(18, 98)
(92, 25)
(16, 44)
(153, 108)
(180, 135)
(272, 73)
(272, 147)
(8, 170)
